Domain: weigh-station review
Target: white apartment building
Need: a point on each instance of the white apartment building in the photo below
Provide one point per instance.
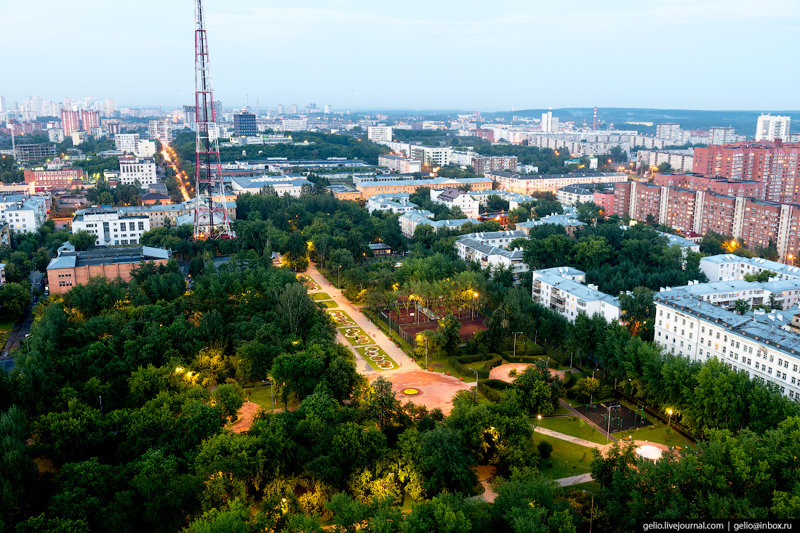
(489, 250)
(294, 124)
(291, 185)
(145, 148)
(392, 203)
(132, 169)
(433, 156)
(763, 345)
(379, 134)
(23, 213)
(771, 127)
(450, 197)
(402, 165)
(109, 226)
(549, 123)
(669, 132)
(55, 135)
(679, 160)
(574, 195)
(529, 184)
(160, 129)
(721, 135)
(126, 142)
(562, 290)
(726, 267)
(410, 221)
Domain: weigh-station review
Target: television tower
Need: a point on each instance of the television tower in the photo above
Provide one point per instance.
(210, 216)
(594, 120)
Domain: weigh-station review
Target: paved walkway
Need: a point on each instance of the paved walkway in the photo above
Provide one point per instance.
(577, 413)
(436, 390)
(569, 438)
(574, 480)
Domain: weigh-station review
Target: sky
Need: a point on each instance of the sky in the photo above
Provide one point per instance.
(433, 54)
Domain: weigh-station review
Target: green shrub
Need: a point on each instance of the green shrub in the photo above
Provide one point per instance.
(545, 449)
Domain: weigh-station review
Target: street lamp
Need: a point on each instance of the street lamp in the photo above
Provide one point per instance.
(338, 277)
(669, 420)
(27, 344)
(515, 342)
(539, 418)
(476, 385)
(426, 355)
(608, 413)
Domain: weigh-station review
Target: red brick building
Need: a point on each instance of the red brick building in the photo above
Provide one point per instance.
(775, 165)
(70, 121)
(698, 182)
(62, 179)
(605, 201)
(90, 119)
(73, 268)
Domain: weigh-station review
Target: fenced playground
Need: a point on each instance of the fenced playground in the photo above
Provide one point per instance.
(409, 320)
(622, 418)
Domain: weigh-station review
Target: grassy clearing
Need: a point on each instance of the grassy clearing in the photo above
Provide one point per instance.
(261, 395)
(572, 425)
(356, 336)
(376, 357)
(317, 296)
(328, 304)
(567, 459)
(656, 433)
(7, 325)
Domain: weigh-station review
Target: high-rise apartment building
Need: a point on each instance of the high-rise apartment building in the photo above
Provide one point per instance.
(244, 125)
(70, 121)
(669, 132)
(771, 127)
(379, 134)
(721, 135)
(160, 129)
(90, 120)
(549, 123)
(775, 165)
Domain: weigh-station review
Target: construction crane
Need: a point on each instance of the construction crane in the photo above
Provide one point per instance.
(211, 219)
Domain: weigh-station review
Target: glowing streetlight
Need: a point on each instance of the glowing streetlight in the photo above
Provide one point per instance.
(669, 420)
(539, 417)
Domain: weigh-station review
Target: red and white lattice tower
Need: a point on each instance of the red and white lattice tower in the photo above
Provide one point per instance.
(210, 216)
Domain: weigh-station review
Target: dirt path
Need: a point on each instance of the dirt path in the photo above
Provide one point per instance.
(246, 415)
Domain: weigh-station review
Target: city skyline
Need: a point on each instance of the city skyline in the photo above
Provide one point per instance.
(273, 55)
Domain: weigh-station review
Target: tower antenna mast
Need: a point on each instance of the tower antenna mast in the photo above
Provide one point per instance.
(211, 219)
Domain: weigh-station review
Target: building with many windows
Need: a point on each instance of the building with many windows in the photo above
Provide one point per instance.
(453, 198)
(399, 164)
(530, 184)
(410, 221)
(110, 226)
(771, 127)
(126, 142)
(490, 251)
(23, 213)
(71, 268)
(379, 134)
(763, 345)
(133, 169)
(562, 290)
(244, 125)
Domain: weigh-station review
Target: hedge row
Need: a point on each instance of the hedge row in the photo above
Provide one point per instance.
(492, 360)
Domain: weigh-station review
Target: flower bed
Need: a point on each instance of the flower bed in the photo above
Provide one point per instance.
(340, 318)
(377, 358)
(356, 336)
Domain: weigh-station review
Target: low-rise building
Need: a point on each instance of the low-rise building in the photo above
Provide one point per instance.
(381, 187)
(110, 226)
(23, 213)
(71, 268)
(763, 345)
(566, 221)
(399, 164)
(393, 203)
(726, 267)
(133, 169)
(291, 185)
(562, 290)
(490, 250)
(343, 192)
(452, 198)
(63, 178)
(410, 221)
(575, 194)
(529, 184)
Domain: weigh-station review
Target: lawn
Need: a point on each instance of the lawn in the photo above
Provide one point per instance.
(442, 364)
(567, 459)
(317, 296)
(376, 357)
(656, 433)
(261, 395)
(356, 336)
(571, 425)
(7, 325)
(340, 318)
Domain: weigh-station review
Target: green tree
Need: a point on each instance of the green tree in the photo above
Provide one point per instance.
(448, 334)
(14, 300)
